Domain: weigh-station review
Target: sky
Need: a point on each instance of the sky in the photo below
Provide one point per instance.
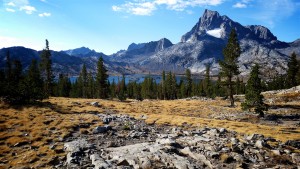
(111, 25)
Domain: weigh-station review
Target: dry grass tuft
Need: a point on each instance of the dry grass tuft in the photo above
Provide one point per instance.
(31, 131)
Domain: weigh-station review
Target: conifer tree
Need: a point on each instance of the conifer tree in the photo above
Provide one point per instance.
(207, 82)
(112, 89)
(229, 66)
(189, 82)
(84, 77)
(121, 89)
(63, 86)
(173, 87)
(137, 91)
(183, 89)
(102, 80)
(163, 85)
(32, 87)
(253, 96)
(90, 86)
(46, 70)
(293, 68)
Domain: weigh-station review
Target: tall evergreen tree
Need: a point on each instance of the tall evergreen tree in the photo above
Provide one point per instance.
(253, 96)
(207, 82)
(121, 89)
(63, 86)
(189, 82)
(32, 87)
(163, 85)
(112, 89)
(84, 77)
(293, 68)
(229, 66)
(46, 70)
(90, 86)
(182, 89)
(102, 80)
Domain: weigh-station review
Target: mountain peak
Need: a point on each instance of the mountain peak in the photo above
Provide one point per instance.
(210, 14)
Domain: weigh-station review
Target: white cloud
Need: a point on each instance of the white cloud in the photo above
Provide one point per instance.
(45, 14)
(11, 4)
(240, 5)
(116, 8)
(10, 10)
(28, 9)
(16, 3)
(146, 7)
(21, 5)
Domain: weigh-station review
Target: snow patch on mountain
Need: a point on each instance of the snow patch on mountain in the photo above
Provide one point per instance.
(217, 33)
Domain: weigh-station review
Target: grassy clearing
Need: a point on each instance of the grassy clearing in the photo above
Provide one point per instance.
(33, 135)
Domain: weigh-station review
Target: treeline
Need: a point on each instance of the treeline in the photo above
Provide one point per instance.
(38, 82)
(17, 86)
(168, 88)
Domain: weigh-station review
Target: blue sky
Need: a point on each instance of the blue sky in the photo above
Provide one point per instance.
(111, 25)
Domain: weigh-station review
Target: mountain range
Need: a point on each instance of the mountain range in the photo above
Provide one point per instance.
(202, 45)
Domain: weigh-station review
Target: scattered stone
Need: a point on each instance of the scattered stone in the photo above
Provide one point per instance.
(276, 152)
(260, 144)
(95, 104)
(99, 162)
(153, 146)
(296, 158)
(101, 129)
(293, 143)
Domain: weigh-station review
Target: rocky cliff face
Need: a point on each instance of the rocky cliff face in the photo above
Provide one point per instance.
(202, 45)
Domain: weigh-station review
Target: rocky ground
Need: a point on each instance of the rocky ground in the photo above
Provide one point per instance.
(125, 142)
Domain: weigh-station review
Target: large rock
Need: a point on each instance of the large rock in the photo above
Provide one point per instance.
(96, 104)
(101, 129)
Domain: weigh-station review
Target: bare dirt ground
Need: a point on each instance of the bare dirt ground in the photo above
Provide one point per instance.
(34, 135)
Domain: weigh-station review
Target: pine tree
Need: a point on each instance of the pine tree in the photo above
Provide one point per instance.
(253, 96)
(46, 70)
(229, 66)
(63, 86)
(32, 87)
(137, 91)
(174, 87)
(183, 89)
(292, 71)
(90, 86)
(207, 82)
(163, 85)
(121, 89)
(189, 82)
(84, 77)
(113, 89)
(102, 80)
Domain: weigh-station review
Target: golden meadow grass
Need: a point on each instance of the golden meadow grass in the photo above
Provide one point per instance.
(28, 133)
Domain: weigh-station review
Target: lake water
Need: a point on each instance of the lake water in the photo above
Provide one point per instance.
(139, 78)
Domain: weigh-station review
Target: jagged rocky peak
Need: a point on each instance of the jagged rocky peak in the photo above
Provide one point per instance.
(210, 20)
(162, 44)
(135, 46)
(262, 32)
(210, 23)
(79, 51)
